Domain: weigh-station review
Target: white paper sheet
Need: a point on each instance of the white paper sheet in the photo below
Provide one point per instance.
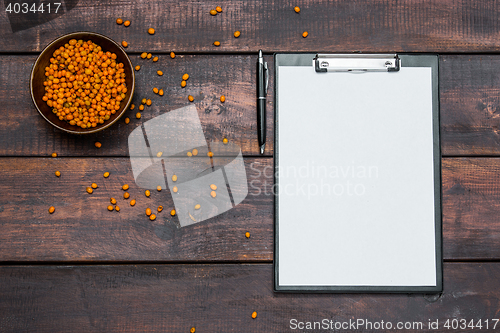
(356, 178)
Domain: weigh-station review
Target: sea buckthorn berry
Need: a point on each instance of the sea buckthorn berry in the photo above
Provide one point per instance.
(160, 92)
(113, 201)
(210, 154)
(172, 212)
(132, 203)
(138, 115)
(172, 55)
(90, 190)
(148, 102)
(254, 315)
(110, 208)
(155, 59)
(98, 144)
(158, 188)
(119, 21)
(213, 12)
(218, 9)
(159, 154)
(117, 208)
(54, 155)
(58, 173)
(225, 141)
(127, 120)
(144, 55)
(195, 152)
(213, 194)
(222, 99)
(237, 34)
(190, 98)
(126, 23)
(148, 211)
(124, 44)
(297, 9)
(126, 195)
(175, 189)
(213, 187)
(132, 106)
(52, 209)
(151, 31)
(137, 68)
(160, 73)
(198, 206)
(149, 55)
(217, 43)
(143, 101)
(152, 217)
(155, 90)
(192, 330)
(141, 107)
(147, 193)
(106, 175)
(185, 77)
(189, 154)
(247, 234)
(94, 185)
(305, 34)
(160, 208)
(125, 187)
(174, 178)
(183, 83)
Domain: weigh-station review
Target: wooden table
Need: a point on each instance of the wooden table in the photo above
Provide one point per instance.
(86, 269)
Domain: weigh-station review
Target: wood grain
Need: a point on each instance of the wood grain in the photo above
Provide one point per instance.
(470, 104)
(81, 229)
(335, 26)
(26, 133)
(221, 298)
(469, 88)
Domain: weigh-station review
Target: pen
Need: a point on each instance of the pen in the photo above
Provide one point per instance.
(261, 101)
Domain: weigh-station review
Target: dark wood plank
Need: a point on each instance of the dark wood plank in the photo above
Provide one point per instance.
(82, 229)
(221, 298)
(471, 207)
(27, 133)
(470, 104)
(469, 87)
(338, 26)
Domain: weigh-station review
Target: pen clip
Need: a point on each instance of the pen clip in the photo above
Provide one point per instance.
(267, 75)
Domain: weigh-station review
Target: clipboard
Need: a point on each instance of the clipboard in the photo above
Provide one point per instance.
(357, 173)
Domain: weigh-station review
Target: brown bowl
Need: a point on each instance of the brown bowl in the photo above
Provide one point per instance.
(38, 77)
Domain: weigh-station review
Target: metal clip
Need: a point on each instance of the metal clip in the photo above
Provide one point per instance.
(267, 75)
(356, 63)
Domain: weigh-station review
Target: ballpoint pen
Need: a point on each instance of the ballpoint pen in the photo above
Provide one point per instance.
(261, 101)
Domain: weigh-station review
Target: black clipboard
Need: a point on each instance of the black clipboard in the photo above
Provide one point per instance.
(330, 64)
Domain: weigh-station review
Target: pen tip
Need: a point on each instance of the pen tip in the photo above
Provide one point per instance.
(262, 148)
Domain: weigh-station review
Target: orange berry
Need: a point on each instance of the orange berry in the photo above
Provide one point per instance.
(151, 31)
(185, 77)
(305, 34)
(222, 99)
(297, 9)
(218, 9)
(172, 212)
(124, 44)
(172, 55)
(137, 67)
(119, 21)
(217, 43)
(110, 208)
(213, 12)
(52, 209)
(160, 73)
(148, 211)
(98, 144)
(183, 83)
(237, 34)
(126, 23)
(152, 217)
(190, 98)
